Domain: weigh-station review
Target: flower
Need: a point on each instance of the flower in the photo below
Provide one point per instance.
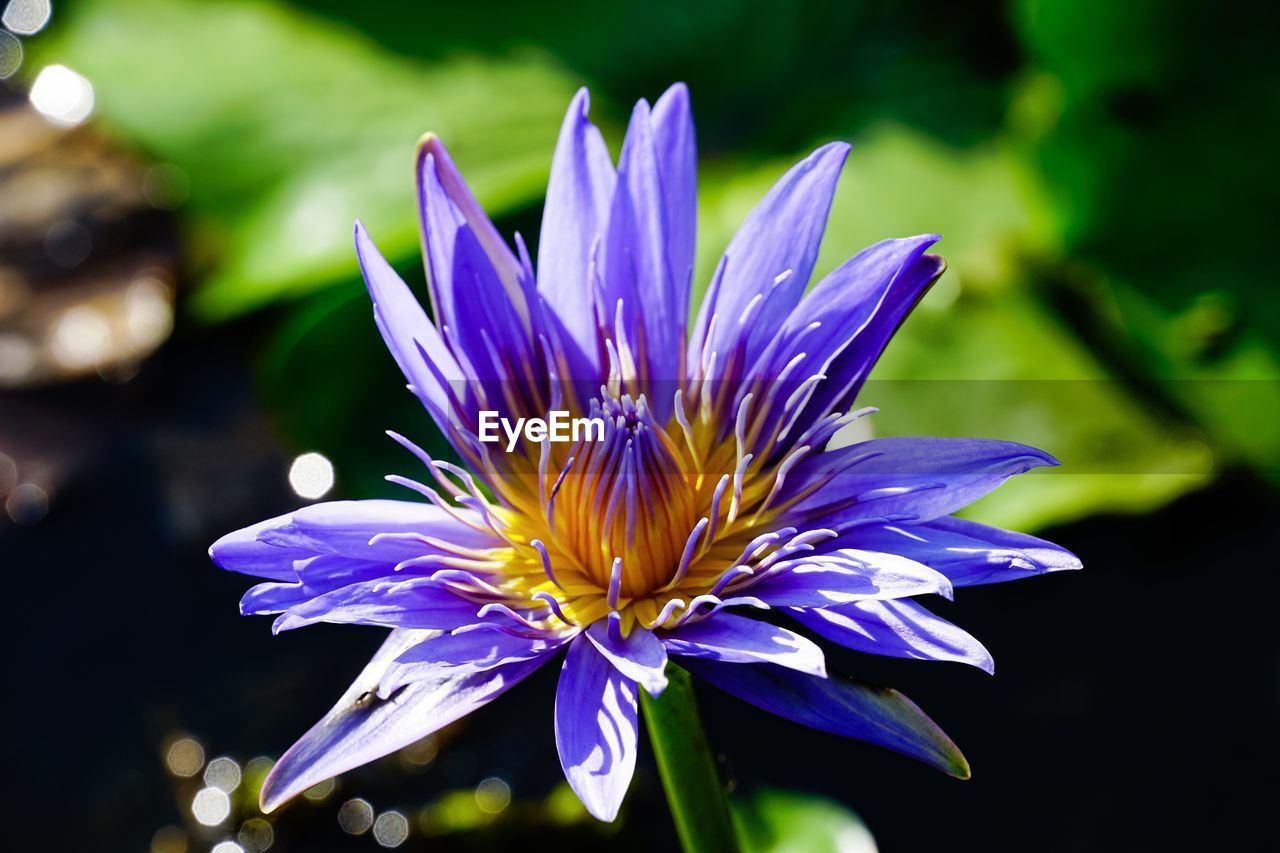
(715, 493)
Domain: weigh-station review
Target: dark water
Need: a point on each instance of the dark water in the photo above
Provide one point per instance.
(1134, 706)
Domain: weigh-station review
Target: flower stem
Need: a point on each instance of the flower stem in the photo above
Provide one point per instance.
(688, 769)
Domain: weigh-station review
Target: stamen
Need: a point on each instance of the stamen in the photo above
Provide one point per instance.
(685, 427)
(546, 562)
(736, 502)
(550, 600)
(715, 510)
(667, 610)
(740, 427)
(461, 576)
(555, 490)
(434, 496)
(425, 459)
(779, 477)
(686, 557)
(504, 610)
(615, 583)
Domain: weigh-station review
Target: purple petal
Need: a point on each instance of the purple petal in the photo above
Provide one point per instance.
(637, 271)
(899, 628)
(840, 706)
(878, 288)
(475, 648)
(323, 547)
(579, 193)
(596, 729)
(242, 551)
(488, 323)
(917, 479)
(677, 149)
(846, 575)
(316, 576)
(501, 258)
(639, 656)
(781, 235)
(1034, 554)
(357, 529)
(362, 727)
(412, 603)
(731, 638)
(409, 335)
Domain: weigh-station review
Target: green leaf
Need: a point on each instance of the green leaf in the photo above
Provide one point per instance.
(290, 127)
(775, 821)
(984, 354)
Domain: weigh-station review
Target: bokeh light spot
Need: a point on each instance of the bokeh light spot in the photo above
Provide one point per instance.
(227, 847)
(27, 17)
(493, 795)
(17, 357)
(223, 774)
(81, 338)
(27, 504)
(418, 755)
(211, 806)
(256, 835)
(391, 829)
(311, 476)
(68, 243)
(320, 790)
(61, 95)
(148, 314)
(10, 55)
(169, 839)
(355, 816)
(185, 757)
(8, 475)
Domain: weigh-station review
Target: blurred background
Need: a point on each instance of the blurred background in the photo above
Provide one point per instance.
(186, 348)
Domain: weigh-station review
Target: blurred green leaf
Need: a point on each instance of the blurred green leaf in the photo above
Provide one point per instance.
(1154, 156)
(983, 354)
(773, 821)
(330, 386)
(289, 127)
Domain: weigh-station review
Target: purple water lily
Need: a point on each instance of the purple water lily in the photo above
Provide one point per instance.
(714, 493)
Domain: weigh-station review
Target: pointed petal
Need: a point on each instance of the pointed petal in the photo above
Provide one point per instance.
(412, 603)
(358, 529)
(877, 288)
(487, 323)
(409, 335)
(918, 479)
(242, 551)
(731, 638)
(987, 549)
(782, 234)
(361, 727)
(898, 628)
(677, 149)
(596, 729)
(475, 648)
(846, 575)
(838, 705)
(316, 576)
(579, 193)
(637, 272)
(501, 258)
(639, 656)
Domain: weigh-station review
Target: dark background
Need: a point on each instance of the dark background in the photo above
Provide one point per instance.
(1101, 172)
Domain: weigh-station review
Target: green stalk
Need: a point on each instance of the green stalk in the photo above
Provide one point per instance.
(688, 769)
